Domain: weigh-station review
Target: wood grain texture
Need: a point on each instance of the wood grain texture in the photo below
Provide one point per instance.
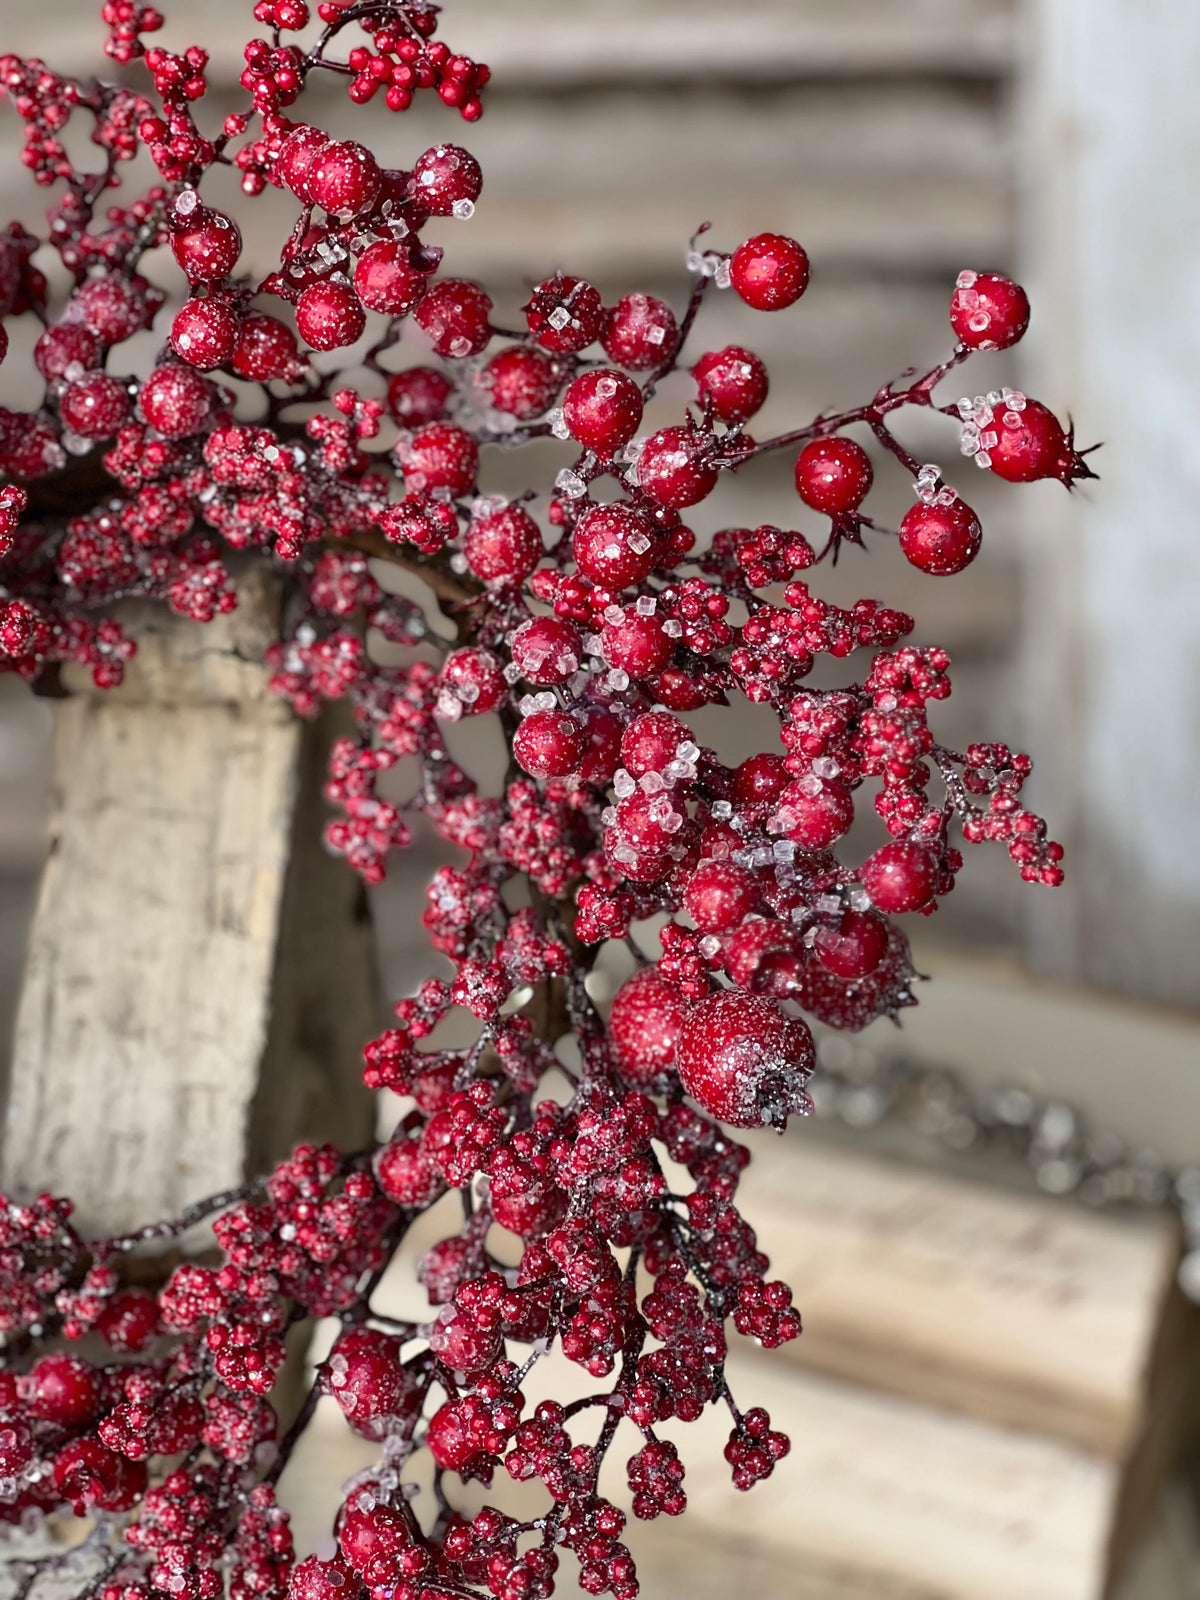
(165, 931)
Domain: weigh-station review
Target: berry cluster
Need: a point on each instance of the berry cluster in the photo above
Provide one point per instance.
(589, 621)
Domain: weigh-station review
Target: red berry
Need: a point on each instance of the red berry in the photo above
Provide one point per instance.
(176, 400)
(644, 1025)
(112, 308)
(814, 812)
(447, 181)
(206, 245)
(418, 395)
(851, 1003)
(636, 644)
(440, 456)
(344, 179)
(676, 468)
(503, 547)
(759, 779)
(94, 406)
(522, 381)
(855, 946)
(719, 895)
(1023, 446)
(130, 1320)
(66, 344)
(900, 877)
(547, 650)
(88, 1474)
(314, 1579)
(455, 313)
(769, 271)
(765, 957)
(940, 539)
(450, 1441)
(364, 1375)
(833, 475)
(651, 742)
(266, 348)
(745, 1060)
(204, 333)
(549, 744)
(297, 157)
(470, 684)
(734, 380)
(988, 312)
(603, 747)
(329, 315)
(640, 332)
(615, 546)
(564, 314)
(64, 1390)
(406, 1174)
(384, 279)
(602, 410)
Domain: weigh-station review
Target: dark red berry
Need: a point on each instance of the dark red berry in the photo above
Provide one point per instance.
(640, 332)
(719, 895)
(1028, 444)
(745, 1060)
(676, 467)
(833, 474)
(900, 877)
(447, 181)
(206, 244)
(385, 280)
(734, 380)
(855, 946)
(266, 349)
(204, 334)
(439, 456)
(564, 314)
(329, 315)
(66, 344)
(454, 313)
(503, 547)
(549, 744)
(644, 1024)
(299, 153)
(94, 406)
(547, 650)
(615, 546)
(176, 400)
(418, 395)
(814, 812)
(521, 381)
(344, 179)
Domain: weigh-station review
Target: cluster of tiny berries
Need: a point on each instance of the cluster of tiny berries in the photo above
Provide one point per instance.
(589, 620)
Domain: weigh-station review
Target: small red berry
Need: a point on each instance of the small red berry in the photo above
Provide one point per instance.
(521, 381)
(266, 348)
(734, 380)
(298, 155)
(447, 181)
(719, 895)
(547, 650)
(207, 245)
(636, 644)
(66, 344)
(940, 539)
(503, 547)
(833, 474)
(439, 456)
(644, 1025)
(769, 272)
(94, 406)
(564, 314)
(651, 742)
(470, 684)
(987, 311)
(855, 946)
(176, 400)
(329, 315)
(602, 410)
(814, 812)
(1030, 444)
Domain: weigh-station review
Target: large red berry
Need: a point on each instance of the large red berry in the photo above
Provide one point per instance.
(602, 410)
(364, 1375)
(406, 1175)
(440, 456)
(293, 169)
(987, 311)
(833, 474)
(676, 467)
(644, 1024)
(564, 314)
(418, 395)
(314, 1579)
(651, 742)
(66, 344)
(549, 744)
(344, 179)
(385, 279)
(814, 812)
(64, 1390)
(855, 946)
(470, 683)
(446, 181)
(719, 895)
(113, 308)
(615, 546)
(546, 650)
(1023, 446)
(940, 539)
(504, 546)
(88, 1474)
(266, 348)
(455, 314)
(130, 1320)
(640, 332)
(851, 1003)
(329, 315)
(769, 271)
(522, 381)
(745, 1060)
(206, 244)
(636, 644)
(734, 380)
(176, 400)
(204, 333)
(94, 406)
(900, 877)
(760, 779)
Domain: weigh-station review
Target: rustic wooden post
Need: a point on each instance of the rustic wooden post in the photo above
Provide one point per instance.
(200, 976)
(1113, 650)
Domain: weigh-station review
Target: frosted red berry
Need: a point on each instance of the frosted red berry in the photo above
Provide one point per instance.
(204, 334)
(640, 332)
(206, 244)
(854, 945)
(418, 395)
(615, 546)
(502, 546)
(266, 349)
(549, 744)
(745, 1060)
(676, 467)
(385, 280)
(734, 380)
(602, 410)
(940, 539)
(175, 400)
(439, 456)
(814, 812)
(521, 381)
(719, 895)
(455, 314)
(94, 406)
(547, 650)
(769, 271)
(833, 474)
(644, 1025)
(564, 314)
(447, 181)
(344, 179)
(329, 315)
(297, 158)
(988, 311)
(900, 877)
(1026, 445)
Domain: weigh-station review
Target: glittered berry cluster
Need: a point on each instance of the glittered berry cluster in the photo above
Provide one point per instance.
(590, 620)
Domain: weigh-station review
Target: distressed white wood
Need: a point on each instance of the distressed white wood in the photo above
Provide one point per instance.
(178, 1028)
(1113, 655)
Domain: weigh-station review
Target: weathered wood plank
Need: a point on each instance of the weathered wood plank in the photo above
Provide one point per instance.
(161, 1052)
